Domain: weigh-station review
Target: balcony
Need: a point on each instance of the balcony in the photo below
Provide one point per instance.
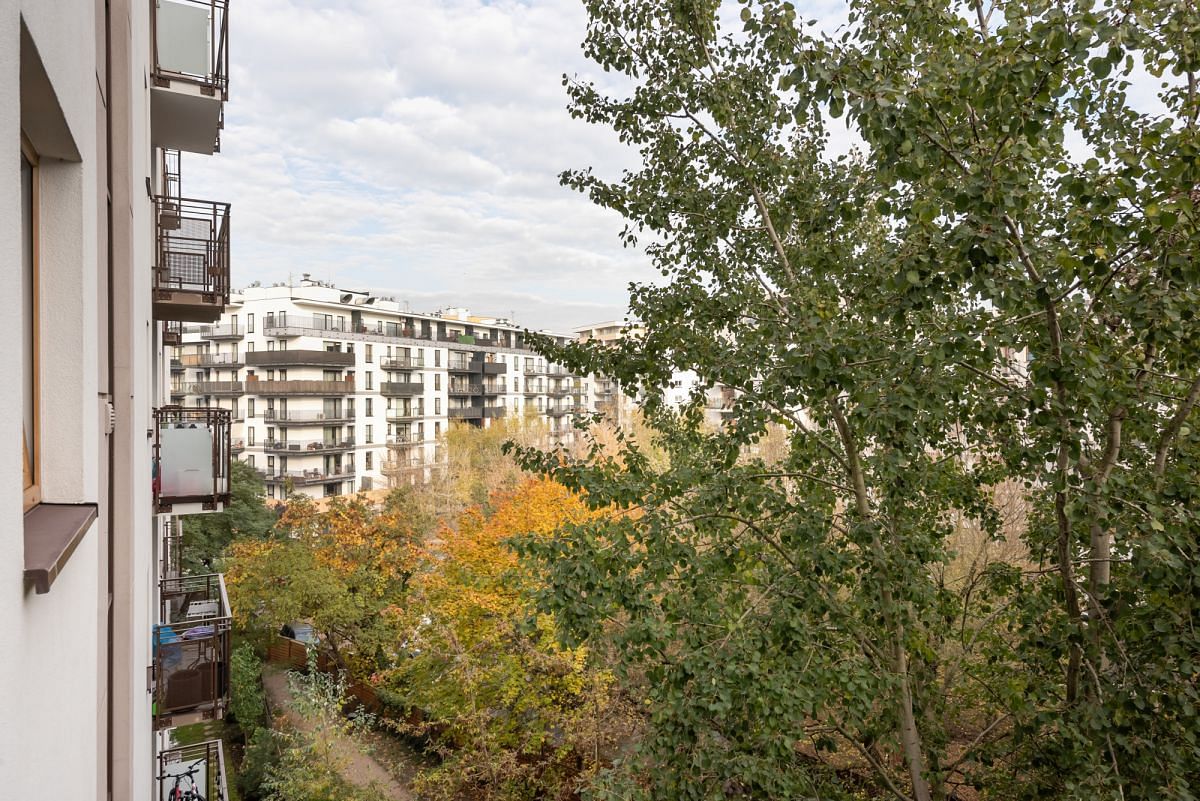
(531, 392)
(404, 439)
(226, 332)
(294, 448)
(492, 368)
(303, 478)
(558, 411)
(558, 392)
(302, 387)
(533, 369)
(299, 358)
(191, 651)
(191, 270)
(219, 360)
(170, 556)
(176, 366)
(494, 412)
(178, 391)
(219, 388)
(456, 390)
(199, 768)
(460, 366)
(405, 414)
(402, 388)
(238, 446)
(401, 465)
(308, 418)
(172, 333)
(191, 459)
(494, 388)
(294, 325)
(465, 413)
(403, 363)
(190, 73)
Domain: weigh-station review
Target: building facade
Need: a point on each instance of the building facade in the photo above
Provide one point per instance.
(335, 391)
(107, 646)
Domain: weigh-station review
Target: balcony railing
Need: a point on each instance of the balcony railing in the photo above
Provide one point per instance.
(495, 411)
(494, 388)
(172, 333)
(403, 363)
(216, 388)
(191, 457)
(211, 360)
(198, 768)
(465, 413)
(301, 387)
(307, 447)
(239, 445)
(171, 555)
(299, 358)
(492, 368)
(402, 388)
(176, 366)
(191, 650)
(404, 439)
(400, 466)
(300, 478)
(307, 418)
(405, 414)
(191, 271)
(465, 389)
(460, 366)
(225, 331)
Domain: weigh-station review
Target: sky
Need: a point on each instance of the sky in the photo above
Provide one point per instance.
(413, 147)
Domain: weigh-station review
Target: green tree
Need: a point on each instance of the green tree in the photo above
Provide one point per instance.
(976, 565)
(206, 536)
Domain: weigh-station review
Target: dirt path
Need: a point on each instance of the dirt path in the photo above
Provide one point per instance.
(356, 765)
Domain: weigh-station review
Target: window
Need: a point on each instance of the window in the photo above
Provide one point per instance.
(369, 405)
(250, 459)
(270, 490)
(271, 464)
(250, 434)
(369, 352)
(270, 375)
(369, 461)
(437, 358)
(370, 437)
(437, 430)
(30, 401)
(249, 323)
(370, 380)
(249, 407)
(250, 345)
(437, 405)
(437, 381)
(270, 344)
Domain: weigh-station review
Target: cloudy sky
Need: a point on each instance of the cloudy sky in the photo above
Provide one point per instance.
(413, 147)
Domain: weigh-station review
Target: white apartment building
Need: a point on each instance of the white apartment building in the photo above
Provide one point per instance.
(333, 391)
(107, 647)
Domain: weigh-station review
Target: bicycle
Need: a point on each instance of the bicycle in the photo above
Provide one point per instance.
(178, 793)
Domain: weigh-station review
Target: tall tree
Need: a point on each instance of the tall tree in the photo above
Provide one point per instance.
(207, 536)
(977, 565)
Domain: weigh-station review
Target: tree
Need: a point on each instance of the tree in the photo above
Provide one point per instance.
(516, 715)
(985, 322)
(337, 569)
(206, 536)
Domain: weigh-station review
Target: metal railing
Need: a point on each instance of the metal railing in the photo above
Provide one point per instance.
(171, 556)
(456, 388)
(180, 30)
(199, 767)
(192, 457)
(308, 446)
(191, 650)
(300, 478)
(191, 250)
(465, 413)
(216, 388)
(300, 387)
(224, 331)
(172, 333)
(402, 363)
(211, 360)
(405, 413)
(304, 418)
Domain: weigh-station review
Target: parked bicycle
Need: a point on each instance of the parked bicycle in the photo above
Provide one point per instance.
(179, 793)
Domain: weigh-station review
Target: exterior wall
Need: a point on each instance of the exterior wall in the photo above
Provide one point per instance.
(54, 642)
(404, 428)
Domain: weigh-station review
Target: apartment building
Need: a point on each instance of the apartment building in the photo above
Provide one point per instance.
(107, 646)
(332, 391)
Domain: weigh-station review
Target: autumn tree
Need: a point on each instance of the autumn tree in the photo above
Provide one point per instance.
(517, 716)
(337, 568)
(984, 319)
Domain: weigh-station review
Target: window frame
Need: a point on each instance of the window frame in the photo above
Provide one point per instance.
(32, 462)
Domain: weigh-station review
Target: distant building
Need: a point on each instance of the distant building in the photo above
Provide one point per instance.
(333, 391)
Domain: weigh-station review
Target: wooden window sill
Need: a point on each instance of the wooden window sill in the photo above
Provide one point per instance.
(52, 531)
